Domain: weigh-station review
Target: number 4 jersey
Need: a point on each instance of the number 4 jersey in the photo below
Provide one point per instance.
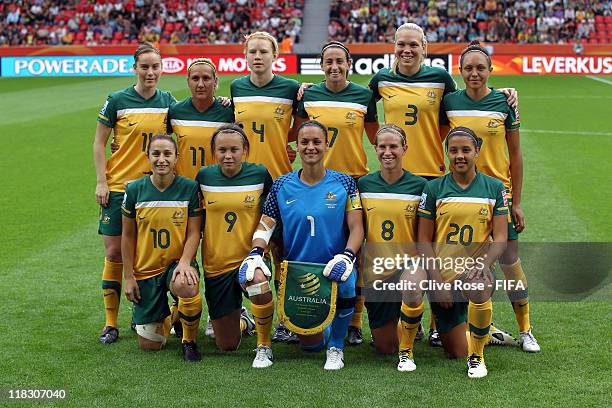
(135, 121)
(266, 112)
(232, 209)
(161, 221)
(463, 217)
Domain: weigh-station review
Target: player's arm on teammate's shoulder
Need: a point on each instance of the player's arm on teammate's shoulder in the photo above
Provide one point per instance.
(511, 96)
(303, 87)
(516, 173)
(99, 158)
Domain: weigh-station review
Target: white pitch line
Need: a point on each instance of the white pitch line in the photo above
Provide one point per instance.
(567, 132)
(605, 81)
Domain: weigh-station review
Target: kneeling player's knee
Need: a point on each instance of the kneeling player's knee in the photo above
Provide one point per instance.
(183, 290)
(151, 336)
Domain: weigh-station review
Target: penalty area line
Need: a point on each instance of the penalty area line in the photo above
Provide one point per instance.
(594, 78)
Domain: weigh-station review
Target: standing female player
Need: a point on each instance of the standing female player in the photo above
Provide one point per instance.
(194, 119)
(346, 109)
(391, 197)
(459, 212)
(134, 115)
(160, 237)
(265, 104)
(320, 215)
(486, 111)
(234, 192)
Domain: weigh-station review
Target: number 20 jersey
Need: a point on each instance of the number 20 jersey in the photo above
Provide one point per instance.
(313, 218)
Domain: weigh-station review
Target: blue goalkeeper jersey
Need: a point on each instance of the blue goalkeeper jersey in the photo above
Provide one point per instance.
(312, 217)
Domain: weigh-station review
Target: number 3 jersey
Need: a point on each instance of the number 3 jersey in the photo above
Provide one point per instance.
(161, 221)
(266, 112)
(232, 209)
(463, 217)
(135, 121)
(312, 218)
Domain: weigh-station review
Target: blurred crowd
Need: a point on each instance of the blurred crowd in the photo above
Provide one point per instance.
(531, 21)
(88, 22)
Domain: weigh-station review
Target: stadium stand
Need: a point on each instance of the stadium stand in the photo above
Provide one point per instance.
(84, 22)
(524, 22)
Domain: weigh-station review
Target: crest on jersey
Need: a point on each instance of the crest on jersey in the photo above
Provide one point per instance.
(178, 214)
(493, 124)
(431, 97)
(351, 116)
(330, 196)
(279, 110)
(483, 211)
(249, 201)
(410, 210)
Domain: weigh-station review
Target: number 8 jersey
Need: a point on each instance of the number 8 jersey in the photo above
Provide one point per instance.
(312, 218)
(463, 217)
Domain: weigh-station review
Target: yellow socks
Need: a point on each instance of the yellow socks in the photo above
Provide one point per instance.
(479, 322)
(410, 318)
(263, 315)
(357, 314)
(519, 296)
(189, 311)
(111, 288)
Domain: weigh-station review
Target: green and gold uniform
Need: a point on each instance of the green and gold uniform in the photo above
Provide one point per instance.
(390, 212)
(134, 121)
(232, 210)
(463, 226)
(413, 103)
(344, 113)
(194, 130)
(266, 114)
(161, 225)
(488, 118)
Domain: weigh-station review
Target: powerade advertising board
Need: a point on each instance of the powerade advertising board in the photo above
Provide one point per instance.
(105, 65)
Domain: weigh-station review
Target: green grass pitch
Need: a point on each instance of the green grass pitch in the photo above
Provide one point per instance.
(51, 258)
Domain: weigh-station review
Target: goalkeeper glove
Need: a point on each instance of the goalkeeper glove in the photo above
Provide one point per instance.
(340, 267)
(253, 261)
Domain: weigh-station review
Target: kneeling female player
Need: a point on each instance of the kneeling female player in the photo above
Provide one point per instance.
(233, 192)
(320, 215)
(458, 214)
(391, 197)
(161, 232)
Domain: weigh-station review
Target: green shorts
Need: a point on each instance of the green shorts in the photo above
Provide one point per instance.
(153, 305)
(223, 294)
(512, 234)
(110, 217)
(447, 319)
(380, 313)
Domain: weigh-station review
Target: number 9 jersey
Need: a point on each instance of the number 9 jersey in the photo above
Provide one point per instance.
(463, 217)
(232, 209)
(265, 113)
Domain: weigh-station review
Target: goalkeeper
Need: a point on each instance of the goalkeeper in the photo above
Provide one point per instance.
(320, 215)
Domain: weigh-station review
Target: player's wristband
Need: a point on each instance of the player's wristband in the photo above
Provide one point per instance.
(349, 252)
(256, 251)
